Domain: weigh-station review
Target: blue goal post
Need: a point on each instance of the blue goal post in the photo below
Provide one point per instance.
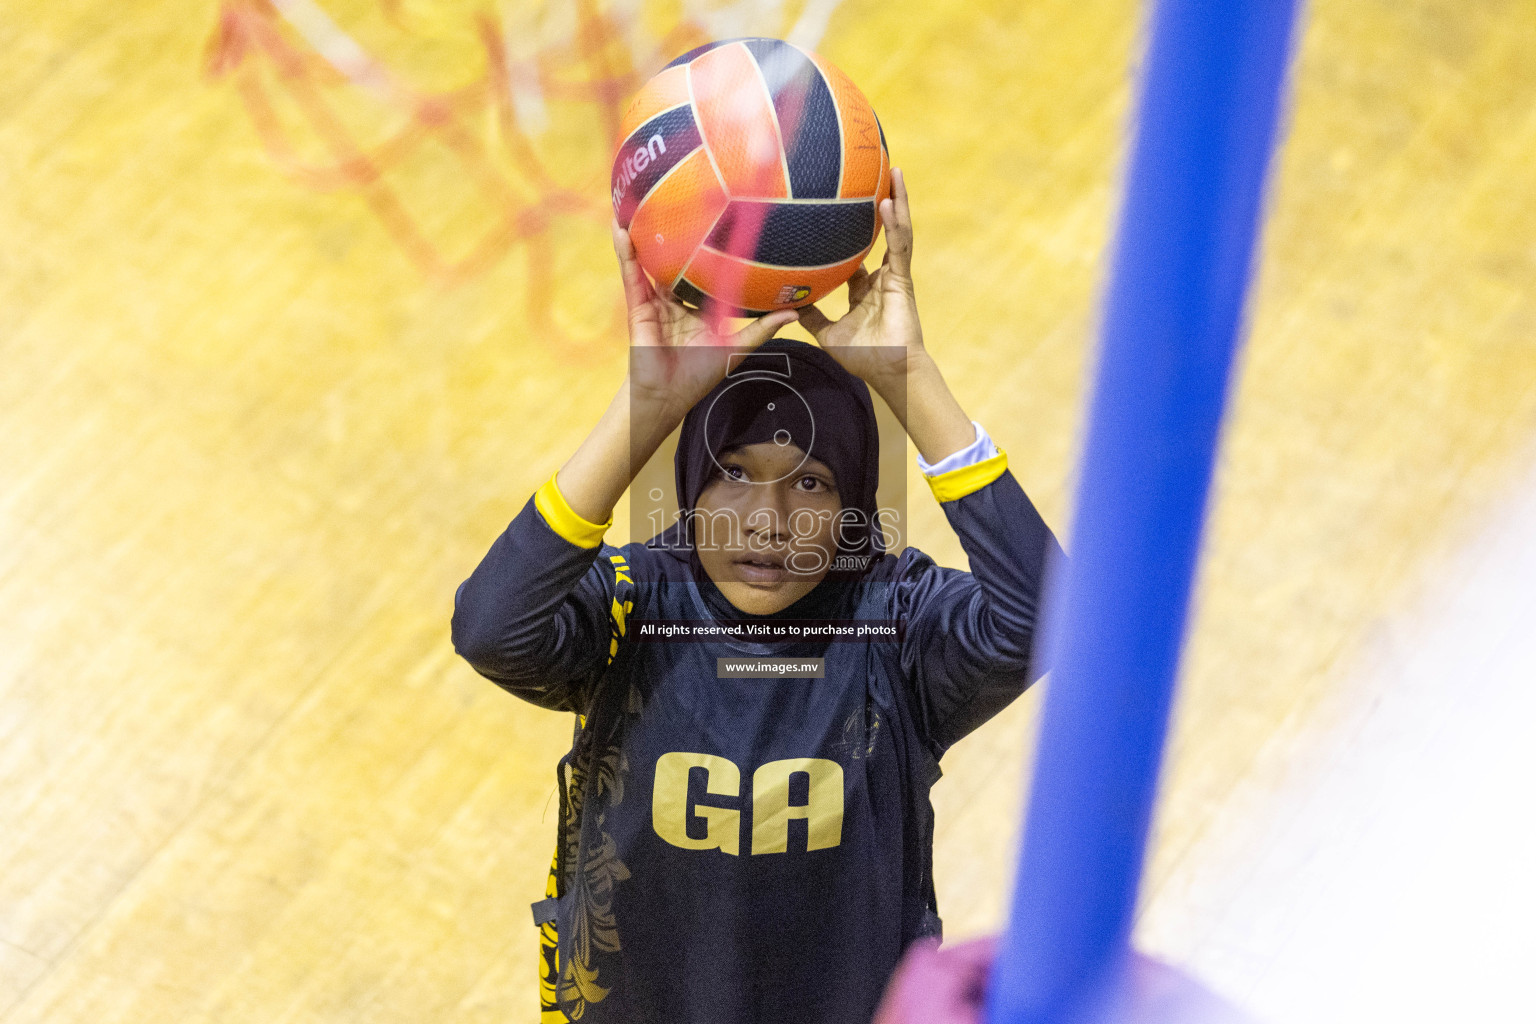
(1210, 100)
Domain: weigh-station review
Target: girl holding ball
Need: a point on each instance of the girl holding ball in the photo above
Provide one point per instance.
(738, 849)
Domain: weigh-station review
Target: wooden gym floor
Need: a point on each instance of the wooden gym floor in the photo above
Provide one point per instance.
(281, 357)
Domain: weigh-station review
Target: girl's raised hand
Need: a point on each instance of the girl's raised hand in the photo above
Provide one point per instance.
(672, 375)
(880, 331)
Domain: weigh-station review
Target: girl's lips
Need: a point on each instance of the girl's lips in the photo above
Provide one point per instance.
(761, 573)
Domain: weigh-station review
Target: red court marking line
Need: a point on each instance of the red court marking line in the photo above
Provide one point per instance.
(251, 34)
(253, 46)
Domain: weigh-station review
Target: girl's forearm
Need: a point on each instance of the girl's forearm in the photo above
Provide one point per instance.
(595, 477)
(928, 409)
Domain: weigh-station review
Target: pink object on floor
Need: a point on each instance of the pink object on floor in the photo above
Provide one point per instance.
(947, 985)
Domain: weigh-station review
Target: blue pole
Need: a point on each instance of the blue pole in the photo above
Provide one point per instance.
(1210, 96)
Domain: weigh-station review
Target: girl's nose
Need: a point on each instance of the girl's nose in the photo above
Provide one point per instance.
(771, 513)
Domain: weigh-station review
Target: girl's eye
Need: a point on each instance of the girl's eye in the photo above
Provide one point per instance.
(733, 473)
(814, 483)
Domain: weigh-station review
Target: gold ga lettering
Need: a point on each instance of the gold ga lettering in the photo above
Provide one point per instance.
(771, 809)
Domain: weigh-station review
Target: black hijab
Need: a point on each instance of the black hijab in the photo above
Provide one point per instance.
(786, 391)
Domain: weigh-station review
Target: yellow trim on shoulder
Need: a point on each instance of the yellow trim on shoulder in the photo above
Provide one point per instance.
(957, 483)
(564, 520)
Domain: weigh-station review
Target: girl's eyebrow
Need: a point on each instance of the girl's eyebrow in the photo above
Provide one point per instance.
(809, 466)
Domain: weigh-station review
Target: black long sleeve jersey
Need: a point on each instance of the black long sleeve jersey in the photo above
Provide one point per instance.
(736, 851)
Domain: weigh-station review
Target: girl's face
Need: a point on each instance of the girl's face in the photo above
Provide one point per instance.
(765, 525)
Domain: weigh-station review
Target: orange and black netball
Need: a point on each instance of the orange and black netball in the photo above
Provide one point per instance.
(750, 176)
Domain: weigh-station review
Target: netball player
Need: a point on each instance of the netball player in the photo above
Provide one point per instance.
(737, 850)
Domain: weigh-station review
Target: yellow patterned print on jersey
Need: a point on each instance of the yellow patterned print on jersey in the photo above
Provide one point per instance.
(575, 983)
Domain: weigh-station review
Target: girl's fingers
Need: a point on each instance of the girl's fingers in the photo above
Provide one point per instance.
(858, 286)
(896, 217)
(637, 289)
(899, 194)
(763, 328)
(673, 310)
(814, 320)
(715, 314)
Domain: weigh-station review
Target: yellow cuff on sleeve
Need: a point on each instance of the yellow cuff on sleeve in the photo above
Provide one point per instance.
(957, 483)
(564, 520)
